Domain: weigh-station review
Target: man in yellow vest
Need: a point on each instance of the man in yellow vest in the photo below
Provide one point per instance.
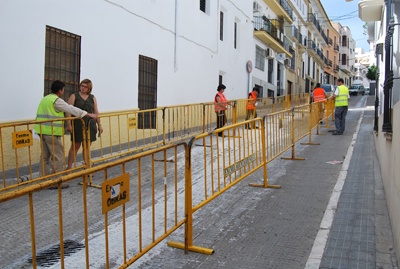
(251, 106)
(341, 96)
(53, 107)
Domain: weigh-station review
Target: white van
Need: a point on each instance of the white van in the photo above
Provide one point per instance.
(356, 89)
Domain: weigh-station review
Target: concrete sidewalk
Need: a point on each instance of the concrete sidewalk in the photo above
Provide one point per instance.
(330, 212)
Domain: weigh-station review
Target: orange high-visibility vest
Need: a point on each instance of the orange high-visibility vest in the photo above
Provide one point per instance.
(222, 102)
(250, 103)
(319, 95)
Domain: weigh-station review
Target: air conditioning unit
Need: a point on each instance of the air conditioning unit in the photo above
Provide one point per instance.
(268, 54)
(256, 7)
(288, 62)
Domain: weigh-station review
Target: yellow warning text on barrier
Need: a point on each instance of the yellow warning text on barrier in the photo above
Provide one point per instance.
(239, 165)
(132, 123)
(22, 139)
(115, 192)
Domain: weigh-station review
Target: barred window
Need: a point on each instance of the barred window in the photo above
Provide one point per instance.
(235, 35)
(221, 26)
(270, 70)
(260, 58)
(62, 60)
(203, 5)
(147, 94)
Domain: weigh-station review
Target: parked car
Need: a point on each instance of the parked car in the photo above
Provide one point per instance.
(329, 89)
(356, 89)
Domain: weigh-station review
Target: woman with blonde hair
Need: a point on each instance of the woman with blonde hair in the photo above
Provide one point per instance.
(85, 101)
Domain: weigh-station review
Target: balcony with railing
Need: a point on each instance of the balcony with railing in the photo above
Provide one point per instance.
(295, 32)
(328, 63)
(314, 21)
(317, 26)
(330, 42)
(302, 40)
(324, 37)
(281, 8)
(336, 68)
(311, 47)
(336, 47)
(270, 32)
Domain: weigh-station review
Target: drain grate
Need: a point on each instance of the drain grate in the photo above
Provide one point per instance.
(50, 256)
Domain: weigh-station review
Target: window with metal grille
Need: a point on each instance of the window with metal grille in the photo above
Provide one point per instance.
(270, 70)
(235, 35)
(344, 59)
(260, 58)
(147, 95)
(62, 60)
(221, 26)
(203, 5)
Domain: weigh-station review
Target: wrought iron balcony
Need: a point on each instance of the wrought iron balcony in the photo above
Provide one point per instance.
(336, 47)
(281, 8)
(271, 33)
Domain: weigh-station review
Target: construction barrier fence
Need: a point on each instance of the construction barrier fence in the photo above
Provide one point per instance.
(124, 133)
(143, 198)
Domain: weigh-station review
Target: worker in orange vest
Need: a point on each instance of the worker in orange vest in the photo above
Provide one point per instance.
(251, 106)
(220, 106)
(319, 96)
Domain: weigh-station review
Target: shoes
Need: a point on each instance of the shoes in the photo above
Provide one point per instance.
(63, 186)
(336, 133)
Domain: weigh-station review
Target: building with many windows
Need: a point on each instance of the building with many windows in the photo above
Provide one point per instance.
(142, 55)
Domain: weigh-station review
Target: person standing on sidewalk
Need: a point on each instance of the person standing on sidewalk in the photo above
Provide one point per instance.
(251, 106)
(319, 96)
(53, 107)
(85, 100)
(341, 96)
(220, 106)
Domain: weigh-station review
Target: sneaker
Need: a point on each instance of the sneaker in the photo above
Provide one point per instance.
(336, 133)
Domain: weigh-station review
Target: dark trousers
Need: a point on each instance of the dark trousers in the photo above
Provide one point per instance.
(251, 113)
(340, 118)
(221, 118)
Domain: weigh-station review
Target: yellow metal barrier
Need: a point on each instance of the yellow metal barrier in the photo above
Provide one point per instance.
(128, 132)
(22, 153)
(147, 196)
(140, 204)
(218, 161)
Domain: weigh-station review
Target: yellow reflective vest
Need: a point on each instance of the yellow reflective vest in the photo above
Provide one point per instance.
(46, 111)
(343, 98)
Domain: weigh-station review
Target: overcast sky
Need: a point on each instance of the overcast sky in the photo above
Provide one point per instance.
(346, 13)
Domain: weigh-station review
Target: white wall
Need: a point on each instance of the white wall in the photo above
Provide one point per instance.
(114, 33)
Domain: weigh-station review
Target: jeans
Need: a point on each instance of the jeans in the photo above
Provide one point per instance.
(340, 118)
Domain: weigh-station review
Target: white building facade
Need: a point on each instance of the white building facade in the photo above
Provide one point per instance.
(138, 54)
